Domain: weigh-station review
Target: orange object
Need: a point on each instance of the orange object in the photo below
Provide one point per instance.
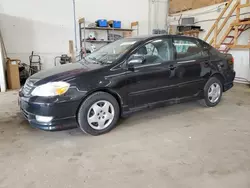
(13, 78)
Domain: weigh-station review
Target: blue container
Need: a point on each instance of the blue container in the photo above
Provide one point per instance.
(102, 23)
(117, 24)
(114, 23)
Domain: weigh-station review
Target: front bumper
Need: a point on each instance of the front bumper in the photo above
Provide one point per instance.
(62, 109)
(54, 125)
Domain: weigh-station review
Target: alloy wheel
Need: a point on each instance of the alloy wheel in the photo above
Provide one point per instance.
(214, 92)
(100, 115)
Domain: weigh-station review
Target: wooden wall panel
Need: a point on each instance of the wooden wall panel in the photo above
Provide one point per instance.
(182, 5)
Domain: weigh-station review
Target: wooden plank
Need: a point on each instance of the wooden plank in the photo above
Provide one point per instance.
(226, 19)
(244, 5)
(236, 33)
(239, 46)
(133, 24)
(237, 14)
(218, 19)
(215, 34)
(72, 51)
(241, 23)
(191, 32)
(180, 5)
(236, 29)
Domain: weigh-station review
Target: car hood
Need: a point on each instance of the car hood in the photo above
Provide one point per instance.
(65, 72)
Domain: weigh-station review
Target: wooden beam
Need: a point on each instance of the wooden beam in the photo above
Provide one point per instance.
(72, 51)
(241, 23)
(237, 14)
(244, 5)
(191, 32)
(239, 46)
(133, 24)
(215, 34)
(218, 19)
(236, 29)
(181, 5)
(226, 19)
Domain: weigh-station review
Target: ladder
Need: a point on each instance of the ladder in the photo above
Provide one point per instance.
(217, 26)
(228, 39)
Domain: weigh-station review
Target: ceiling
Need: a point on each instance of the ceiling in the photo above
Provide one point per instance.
(182, 5)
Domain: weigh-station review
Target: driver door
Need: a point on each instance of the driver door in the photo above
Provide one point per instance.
(152, 81)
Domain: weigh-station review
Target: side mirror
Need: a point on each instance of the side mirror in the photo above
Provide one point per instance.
(135, 60)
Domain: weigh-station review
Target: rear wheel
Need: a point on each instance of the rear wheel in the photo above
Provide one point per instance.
(212, 92)
(98, 114)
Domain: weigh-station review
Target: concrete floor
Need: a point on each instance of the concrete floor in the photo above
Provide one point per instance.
(184, 145)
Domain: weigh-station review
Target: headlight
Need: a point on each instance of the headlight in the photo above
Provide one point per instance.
(51, 89)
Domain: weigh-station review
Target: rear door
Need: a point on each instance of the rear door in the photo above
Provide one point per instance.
(192, 66)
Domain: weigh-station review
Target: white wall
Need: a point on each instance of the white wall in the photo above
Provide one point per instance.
(126, 11)
(205, 17)
(46, 26)
(42, 26)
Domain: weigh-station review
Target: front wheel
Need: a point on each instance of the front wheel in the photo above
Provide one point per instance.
(212, 92)
(98, 114)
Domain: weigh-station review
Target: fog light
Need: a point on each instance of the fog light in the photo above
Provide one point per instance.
(44, 119)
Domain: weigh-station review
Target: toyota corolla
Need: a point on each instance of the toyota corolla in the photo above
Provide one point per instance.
(125, 76)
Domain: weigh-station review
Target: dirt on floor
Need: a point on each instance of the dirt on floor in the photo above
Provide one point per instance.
(181, 146)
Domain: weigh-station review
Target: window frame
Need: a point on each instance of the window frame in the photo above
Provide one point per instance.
(193, 40)
(168, 38)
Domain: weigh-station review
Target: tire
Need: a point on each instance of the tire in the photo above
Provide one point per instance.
(98, 114)
(208, 98)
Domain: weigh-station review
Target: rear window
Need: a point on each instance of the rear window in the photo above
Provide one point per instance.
(211, 49)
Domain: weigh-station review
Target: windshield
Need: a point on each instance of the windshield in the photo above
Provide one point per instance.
(109, 53)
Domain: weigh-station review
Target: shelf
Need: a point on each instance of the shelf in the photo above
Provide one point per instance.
(106, 29)
(98, 41)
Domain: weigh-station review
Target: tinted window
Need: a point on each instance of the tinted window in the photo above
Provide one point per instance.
(157, 51)
(186, 49)
(209, 48)
(213, 51)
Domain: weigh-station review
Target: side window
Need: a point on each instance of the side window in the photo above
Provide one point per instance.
(151, 49)
(208, 50)
(187, 49)
(157, 51)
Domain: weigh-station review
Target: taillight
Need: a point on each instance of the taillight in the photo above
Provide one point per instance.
(231, 63)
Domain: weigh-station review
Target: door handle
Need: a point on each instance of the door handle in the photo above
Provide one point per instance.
(172, 67)
(206, 62)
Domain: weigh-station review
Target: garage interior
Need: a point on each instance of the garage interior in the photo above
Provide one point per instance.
(184, 145)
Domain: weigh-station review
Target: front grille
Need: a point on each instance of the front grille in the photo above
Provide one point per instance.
(28, 87)
(25, 114)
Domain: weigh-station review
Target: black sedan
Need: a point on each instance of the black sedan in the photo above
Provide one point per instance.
(125, 76)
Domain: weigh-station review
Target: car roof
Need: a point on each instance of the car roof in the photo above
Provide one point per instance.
(148, 37)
